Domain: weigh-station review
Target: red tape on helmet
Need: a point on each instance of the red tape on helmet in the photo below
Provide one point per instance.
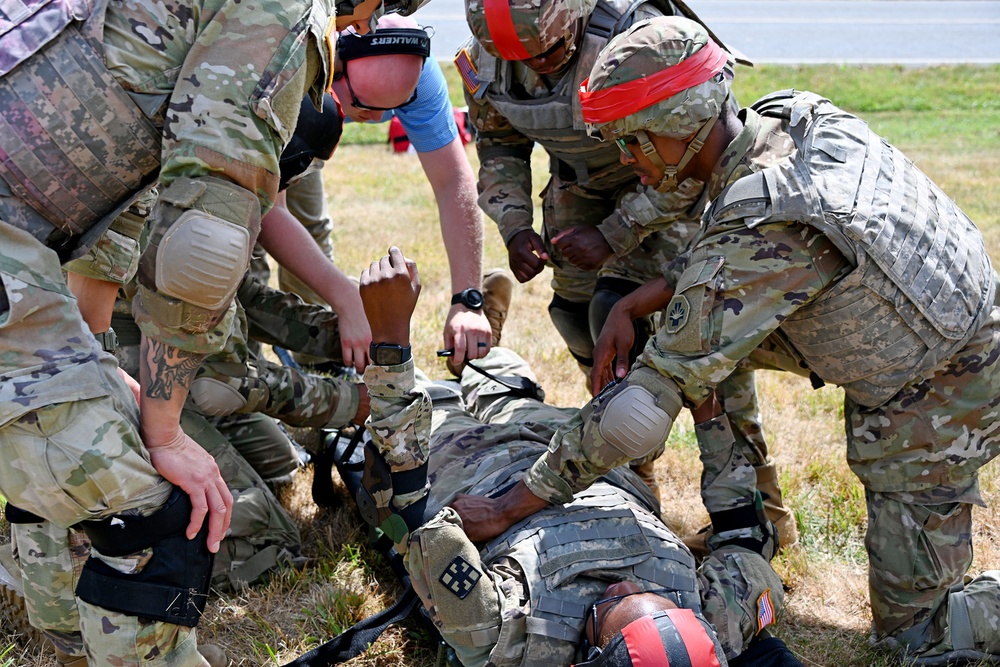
(625, 99)
(502, 32)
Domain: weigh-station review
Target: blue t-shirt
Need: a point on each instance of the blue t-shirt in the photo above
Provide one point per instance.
(429, 121)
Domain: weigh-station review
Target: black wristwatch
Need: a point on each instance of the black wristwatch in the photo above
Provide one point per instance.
(388, 354)
(108, 340)
(470, 298)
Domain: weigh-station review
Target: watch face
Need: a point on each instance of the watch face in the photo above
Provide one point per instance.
(388, 355)
(472, 298)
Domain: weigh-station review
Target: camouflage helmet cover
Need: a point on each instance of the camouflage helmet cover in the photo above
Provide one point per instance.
(647, 49)
(522, 29)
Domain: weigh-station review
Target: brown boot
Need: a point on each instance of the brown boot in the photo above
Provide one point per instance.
(646, 472)
(214, 655)
(66, 660)
(497, 289)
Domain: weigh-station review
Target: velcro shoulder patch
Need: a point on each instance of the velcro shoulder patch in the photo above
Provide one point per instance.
(467, 70)
(460, 577)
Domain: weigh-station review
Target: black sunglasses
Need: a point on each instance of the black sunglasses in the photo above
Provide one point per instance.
(591, 652)
(358, 104)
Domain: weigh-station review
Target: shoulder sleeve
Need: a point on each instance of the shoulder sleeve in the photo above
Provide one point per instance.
(429, 121)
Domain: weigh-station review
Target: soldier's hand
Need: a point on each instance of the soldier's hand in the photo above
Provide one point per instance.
(467, 332)
(355, 334)
(484, 518)
(186, 464)
(583, 247)
(389, 291)
(612, 348)
(526, 254)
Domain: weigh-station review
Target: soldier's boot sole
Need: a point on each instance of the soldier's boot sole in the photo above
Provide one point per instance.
(498, 287)
(967, 657)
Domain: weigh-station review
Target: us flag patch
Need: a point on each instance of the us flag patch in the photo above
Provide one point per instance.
(468, 71)
(765, 610)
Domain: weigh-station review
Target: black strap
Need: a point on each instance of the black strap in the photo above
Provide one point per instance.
(519, 386)
(356, 639)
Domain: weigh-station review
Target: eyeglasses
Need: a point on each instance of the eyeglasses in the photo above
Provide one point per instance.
(623, 144)
(551, 50)
(358, 104)
(591, 652)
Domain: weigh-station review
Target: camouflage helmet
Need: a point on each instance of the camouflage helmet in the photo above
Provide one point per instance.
(668, 72)
(346, 8)
(523, 29)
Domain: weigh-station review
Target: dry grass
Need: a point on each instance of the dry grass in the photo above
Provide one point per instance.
(378, 198)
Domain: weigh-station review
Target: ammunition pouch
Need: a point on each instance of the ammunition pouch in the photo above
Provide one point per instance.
(173, 585)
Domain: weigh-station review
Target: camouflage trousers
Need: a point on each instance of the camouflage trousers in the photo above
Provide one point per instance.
(306, 201)
(918, 455)
(75, 453)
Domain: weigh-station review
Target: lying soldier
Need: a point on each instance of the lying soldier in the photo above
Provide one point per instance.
(525, 598)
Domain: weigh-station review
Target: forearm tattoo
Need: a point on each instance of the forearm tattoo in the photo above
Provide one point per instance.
(168, 368)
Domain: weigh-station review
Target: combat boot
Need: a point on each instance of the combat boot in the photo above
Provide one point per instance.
(497, 289)
(67, 660)
(214, 656)
(776, 511)
(780, 515)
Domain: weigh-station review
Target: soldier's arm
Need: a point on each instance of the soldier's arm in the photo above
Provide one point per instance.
(292, 247)
(504, 169)
(222, 139)
(646, 211)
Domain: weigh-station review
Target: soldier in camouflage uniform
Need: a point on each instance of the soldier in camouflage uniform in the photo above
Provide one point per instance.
(518, 94)
(523, 598)
(521, 72)
(824, 252)
(97, 104)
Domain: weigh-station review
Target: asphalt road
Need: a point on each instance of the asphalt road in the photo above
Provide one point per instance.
(814, 31)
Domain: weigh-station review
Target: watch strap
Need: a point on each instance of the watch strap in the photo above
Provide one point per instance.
(108, 340)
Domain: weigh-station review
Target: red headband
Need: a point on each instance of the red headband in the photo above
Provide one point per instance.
(501, 26)
(604, 106)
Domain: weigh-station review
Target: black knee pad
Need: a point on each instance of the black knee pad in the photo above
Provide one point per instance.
(571, 321)
(607, 293)
(172, 587)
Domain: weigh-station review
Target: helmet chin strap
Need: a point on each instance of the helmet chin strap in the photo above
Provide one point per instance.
(669, 181)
